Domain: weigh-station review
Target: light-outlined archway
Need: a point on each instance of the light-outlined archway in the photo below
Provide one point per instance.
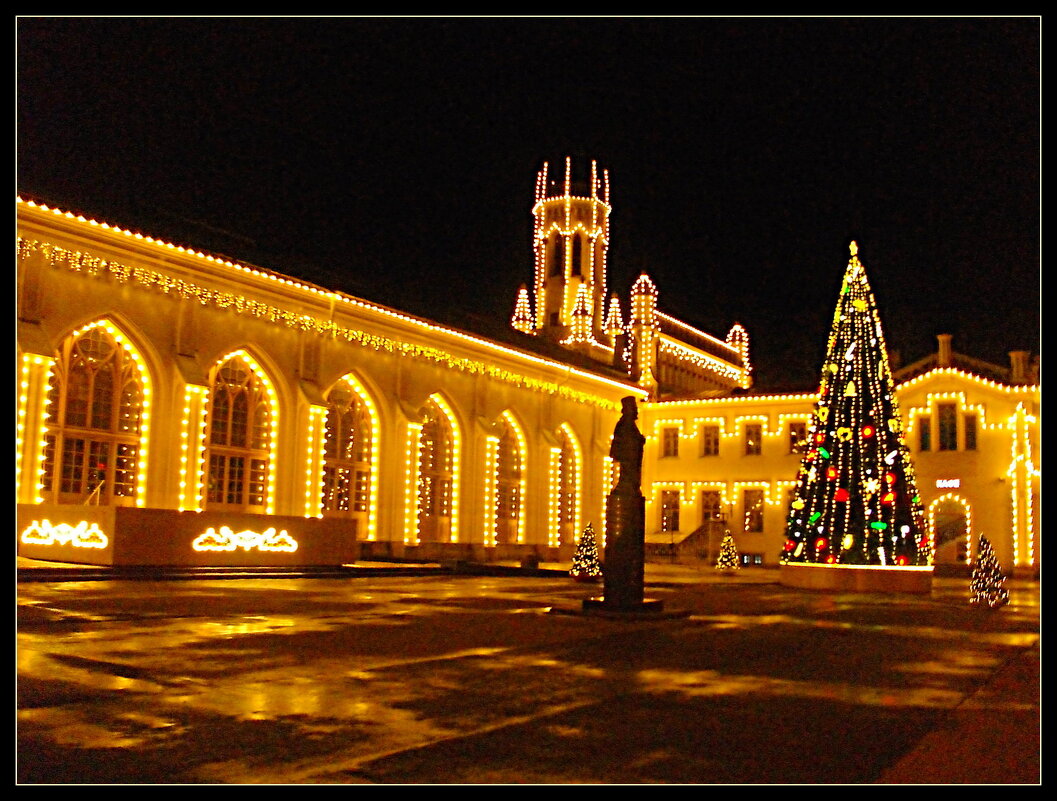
(566, 488)
(950, 528)
(241, 435)
(505, 482)
(352, 453)
(434, 462)
(96, 445)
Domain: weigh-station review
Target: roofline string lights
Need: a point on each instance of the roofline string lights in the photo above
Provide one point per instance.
(77, 261)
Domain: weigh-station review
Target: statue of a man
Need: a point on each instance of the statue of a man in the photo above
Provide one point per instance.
(627, 446)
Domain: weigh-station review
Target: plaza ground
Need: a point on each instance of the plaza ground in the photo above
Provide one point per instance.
(437, 675)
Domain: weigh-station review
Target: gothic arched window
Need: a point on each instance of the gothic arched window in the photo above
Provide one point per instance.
(96, 397)
(436, 465)
(347, 468)
(239, 438)
(508, 484)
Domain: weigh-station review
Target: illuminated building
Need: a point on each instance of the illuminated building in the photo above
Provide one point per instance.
(973, 429)
(176, 407)
(189, 409)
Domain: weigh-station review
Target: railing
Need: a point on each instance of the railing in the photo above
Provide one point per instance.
(94, 496)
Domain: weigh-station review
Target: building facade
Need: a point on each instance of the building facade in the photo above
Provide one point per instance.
(730, 463)
(179, 408)
(175, 407)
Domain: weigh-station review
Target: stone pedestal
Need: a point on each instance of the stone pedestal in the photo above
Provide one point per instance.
(625, 557)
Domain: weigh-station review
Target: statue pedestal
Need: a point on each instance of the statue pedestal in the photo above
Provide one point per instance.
(625, 556)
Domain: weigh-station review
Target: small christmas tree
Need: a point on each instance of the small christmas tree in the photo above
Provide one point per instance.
(586, 566)
(988, 584)
(856, 498)
(728, 554)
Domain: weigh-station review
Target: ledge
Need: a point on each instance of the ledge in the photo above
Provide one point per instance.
(856, 578)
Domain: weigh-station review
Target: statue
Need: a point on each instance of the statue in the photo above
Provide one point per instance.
(625, 551)
(627, 446)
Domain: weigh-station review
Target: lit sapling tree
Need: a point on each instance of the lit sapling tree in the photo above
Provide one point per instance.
(586, 566)
(988, 584)
(728, 554)
(856, 500)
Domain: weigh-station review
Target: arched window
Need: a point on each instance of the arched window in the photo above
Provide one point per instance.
(436, 466)
(577, 255)
(348, 456)
(97, 399)
(508, 483)
(568, 487)
(240, 437)
(558, 255)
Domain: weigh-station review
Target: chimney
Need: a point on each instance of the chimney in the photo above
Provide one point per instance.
(943, 355)
(1018, 362)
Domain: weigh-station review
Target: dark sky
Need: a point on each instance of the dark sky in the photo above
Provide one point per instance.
(396, 159)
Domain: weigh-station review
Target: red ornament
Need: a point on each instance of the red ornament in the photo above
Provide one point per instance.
(831, 472)
(888, 497)
(831, 559)
(821, 543)
(867, 431)
(789, 545)
(890, 478)
(901, 561)
(840, 495)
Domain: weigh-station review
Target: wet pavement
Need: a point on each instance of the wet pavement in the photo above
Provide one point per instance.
(447, 678)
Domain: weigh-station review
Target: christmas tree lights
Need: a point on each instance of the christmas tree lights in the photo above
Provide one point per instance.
(728, 554)
(586, 566)
(856, 499)
(987, 585)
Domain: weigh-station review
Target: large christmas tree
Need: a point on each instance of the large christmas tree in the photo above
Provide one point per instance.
(856, 496)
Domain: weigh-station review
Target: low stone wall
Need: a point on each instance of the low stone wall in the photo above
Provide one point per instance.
(856, 578)
(122, 536)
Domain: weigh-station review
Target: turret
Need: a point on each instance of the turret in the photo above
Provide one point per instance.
(571, 242)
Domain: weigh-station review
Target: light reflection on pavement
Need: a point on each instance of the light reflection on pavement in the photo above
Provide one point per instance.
(465, 679)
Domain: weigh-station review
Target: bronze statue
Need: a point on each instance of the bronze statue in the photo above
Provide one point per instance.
(627, 446)
(625, 525)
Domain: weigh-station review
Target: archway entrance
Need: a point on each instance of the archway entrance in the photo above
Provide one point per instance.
(950, 529)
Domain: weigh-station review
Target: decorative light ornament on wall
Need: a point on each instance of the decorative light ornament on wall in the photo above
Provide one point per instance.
(225, 539)
(82, 535)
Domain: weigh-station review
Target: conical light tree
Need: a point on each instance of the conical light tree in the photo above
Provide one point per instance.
(987, 586)
(856, 496)
(586, 566)
(728, 554)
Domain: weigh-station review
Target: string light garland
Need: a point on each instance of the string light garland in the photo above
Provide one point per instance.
(145, 278)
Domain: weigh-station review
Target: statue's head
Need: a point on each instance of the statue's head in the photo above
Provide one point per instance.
(629, 407)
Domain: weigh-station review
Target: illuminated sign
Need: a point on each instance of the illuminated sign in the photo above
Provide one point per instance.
(228, 540)
(83, 535)
(948, 483)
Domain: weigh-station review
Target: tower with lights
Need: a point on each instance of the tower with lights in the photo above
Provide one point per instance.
(570, 241)
(569, 304)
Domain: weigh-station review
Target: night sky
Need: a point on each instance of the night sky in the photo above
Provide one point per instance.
(396, 159)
